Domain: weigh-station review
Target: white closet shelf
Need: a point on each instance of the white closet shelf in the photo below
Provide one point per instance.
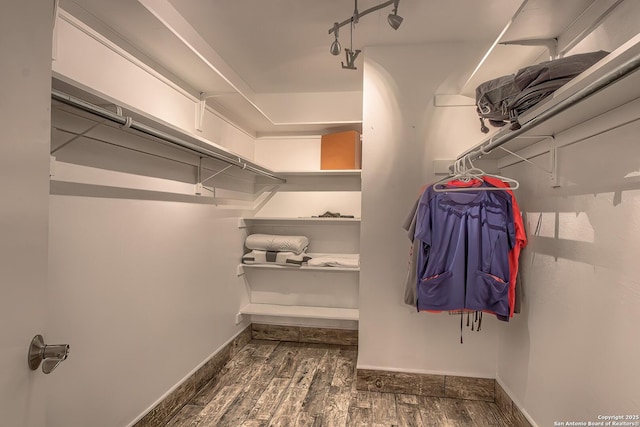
(301, 311)
(306, 267)
(619, 92)
(336, 172)
(244, 222)
(302, 268)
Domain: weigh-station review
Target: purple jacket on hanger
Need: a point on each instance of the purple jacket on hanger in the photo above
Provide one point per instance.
(464, 261)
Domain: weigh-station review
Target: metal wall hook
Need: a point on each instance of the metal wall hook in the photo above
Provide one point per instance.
(49, 355)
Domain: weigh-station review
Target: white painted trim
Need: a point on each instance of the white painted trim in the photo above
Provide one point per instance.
(186, 377)
(297, 311)
(123, 53)
(424, 371)
(275, 137)
(516, 401)
(164, 11)
(466, 84)
(66, 16)
(585, 24)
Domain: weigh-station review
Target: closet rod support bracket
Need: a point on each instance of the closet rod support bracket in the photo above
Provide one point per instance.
(52, 166)
(201, 106)
(553, 178)
(551, 45)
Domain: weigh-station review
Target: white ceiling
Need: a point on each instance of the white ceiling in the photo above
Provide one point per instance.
(253, 47)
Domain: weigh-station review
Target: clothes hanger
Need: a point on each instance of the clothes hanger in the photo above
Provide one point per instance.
(465, 174)
(513, 184)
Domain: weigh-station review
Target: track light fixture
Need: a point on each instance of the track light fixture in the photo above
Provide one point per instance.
(393, 19)
(335, 46)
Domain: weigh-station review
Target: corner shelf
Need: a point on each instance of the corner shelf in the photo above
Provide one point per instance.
(241, 267)
(335, 172)
(305, 295)
(305, 312)
(301, 268)
(249, 221)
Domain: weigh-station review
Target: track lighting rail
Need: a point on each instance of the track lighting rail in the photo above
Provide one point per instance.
(393, 18)
(357, 15)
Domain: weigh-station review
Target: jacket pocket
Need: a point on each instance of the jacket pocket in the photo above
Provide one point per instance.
(434, 291)
(490, 293)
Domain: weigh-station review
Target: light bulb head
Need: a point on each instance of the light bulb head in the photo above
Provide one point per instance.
(335, 48)
(394, 20)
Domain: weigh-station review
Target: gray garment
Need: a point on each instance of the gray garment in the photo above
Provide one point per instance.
(410, 292)
(519, 294)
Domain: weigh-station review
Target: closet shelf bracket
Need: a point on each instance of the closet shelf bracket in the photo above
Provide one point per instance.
(199, 187)
(52, 166)
(201, 106)
(553, 161)
(550, 44)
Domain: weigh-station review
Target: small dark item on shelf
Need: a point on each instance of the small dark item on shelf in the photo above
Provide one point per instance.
(328, 214)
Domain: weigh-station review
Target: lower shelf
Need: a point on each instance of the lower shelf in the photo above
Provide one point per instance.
(301, 311)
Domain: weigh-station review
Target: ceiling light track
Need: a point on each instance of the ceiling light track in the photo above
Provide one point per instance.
(393, 19)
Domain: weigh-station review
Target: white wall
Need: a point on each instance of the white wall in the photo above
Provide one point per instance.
(142, 286)
(572, 354)
(144, 292)
(312, 107)
(289, 154)
(402, 134)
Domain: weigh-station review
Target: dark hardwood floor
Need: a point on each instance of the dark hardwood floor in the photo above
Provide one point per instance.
(273, 383)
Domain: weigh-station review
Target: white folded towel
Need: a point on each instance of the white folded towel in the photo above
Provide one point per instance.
(334, 261)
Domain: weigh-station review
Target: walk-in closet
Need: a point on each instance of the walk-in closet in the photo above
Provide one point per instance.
(336, 213)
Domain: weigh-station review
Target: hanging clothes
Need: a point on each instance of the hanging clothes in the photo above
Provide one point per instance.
(420, 251)
(521, 242)
(466, 238)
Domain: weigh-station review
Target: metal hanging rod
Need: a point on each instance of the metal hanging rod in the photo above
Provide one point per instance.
(602, 82)
(128, 122)
(135, 150)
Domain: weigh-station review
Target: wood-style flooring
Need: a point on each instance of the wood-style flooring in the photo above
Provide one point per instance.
(273, 383)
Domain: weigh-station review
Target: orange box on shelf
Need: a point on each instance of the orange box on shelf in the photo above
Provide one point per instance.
(342, 150)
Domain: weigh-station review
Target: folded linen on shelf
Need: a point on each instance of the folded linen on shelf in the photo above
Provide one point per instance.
(276, 243)
(334, 261)
(286, 258)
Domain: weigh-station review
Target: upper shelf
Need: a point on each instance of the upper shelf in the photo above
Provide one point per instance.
(535, 27)
(610, 83)
(95, 116)
(318, 173)
(244, 222)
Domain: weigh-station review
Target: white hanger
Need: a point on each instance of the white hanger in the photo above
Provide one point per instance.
(465, 174)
